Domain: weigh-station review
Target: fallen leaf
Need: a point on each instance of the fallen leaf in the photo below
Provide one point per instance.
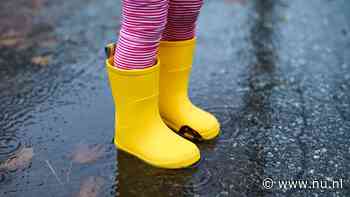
(91, 187)
(21, 160)
(85, 153)
(41, 60)
(9, 42)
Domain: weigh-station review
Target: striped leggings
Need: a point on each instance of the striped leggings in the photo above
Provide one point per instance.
(146, 22)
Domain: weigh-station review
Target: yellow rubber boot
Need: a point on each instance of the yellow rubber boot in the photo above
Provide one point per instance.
(140, 130)
(176, 109)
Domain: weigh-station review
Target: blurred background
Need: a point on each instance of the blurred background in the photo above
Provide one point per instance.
(275, 72)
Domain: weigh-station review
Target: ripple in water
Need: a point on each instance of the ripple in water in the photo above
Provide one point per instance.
(227, 116)
(4, 177)
(222, 113)
(9, 146)
(199, 180)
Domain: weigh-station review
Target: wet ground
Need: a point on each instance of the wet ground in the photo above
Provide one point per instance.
(275, 72)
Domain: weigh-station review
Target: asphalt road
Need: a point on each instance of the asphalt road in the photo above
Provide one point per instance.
(275, 72)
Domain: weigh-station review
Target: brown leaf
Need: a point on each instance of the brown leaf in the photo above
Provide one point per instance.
(41, 60)
(91, 187)
(21, 160)
(9, 41)
(85, 153)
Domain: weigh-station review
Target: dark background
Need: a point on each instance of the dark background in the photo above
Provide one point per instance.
(275, 72)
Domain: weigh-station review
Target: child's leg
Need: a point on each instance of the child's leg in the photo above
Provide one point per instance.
(182, 17)
(176, 55)
(140, 130)
(143, 22)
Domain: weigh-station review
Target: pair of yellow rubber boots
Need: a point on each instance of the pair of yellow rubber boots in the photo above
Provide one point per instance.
(151, 101)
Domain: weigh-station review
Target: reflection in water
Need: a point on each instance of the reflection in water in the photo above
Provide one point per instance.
(136, 178)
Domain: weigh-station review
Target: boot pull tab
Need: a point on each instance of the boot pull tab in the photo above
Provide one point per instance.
(190, 134)
(109, 50)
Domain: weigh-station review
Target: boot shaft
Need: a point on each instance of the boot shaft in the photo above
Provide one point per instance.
(135, 94)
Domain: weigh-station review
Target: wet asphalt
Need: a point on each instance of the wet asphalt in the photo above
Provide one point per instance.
(276, 73)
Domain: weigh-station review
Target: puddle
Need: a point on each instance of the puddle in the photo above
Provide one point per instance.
(274, 113)
(9, 146)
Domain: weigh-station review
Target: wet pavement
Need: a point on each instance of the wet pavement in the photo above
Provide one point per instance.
(275, 72)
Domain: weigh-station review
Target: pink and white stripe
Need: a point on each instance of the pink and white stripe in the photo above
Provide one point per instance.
(182, 17)
(145, 22)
